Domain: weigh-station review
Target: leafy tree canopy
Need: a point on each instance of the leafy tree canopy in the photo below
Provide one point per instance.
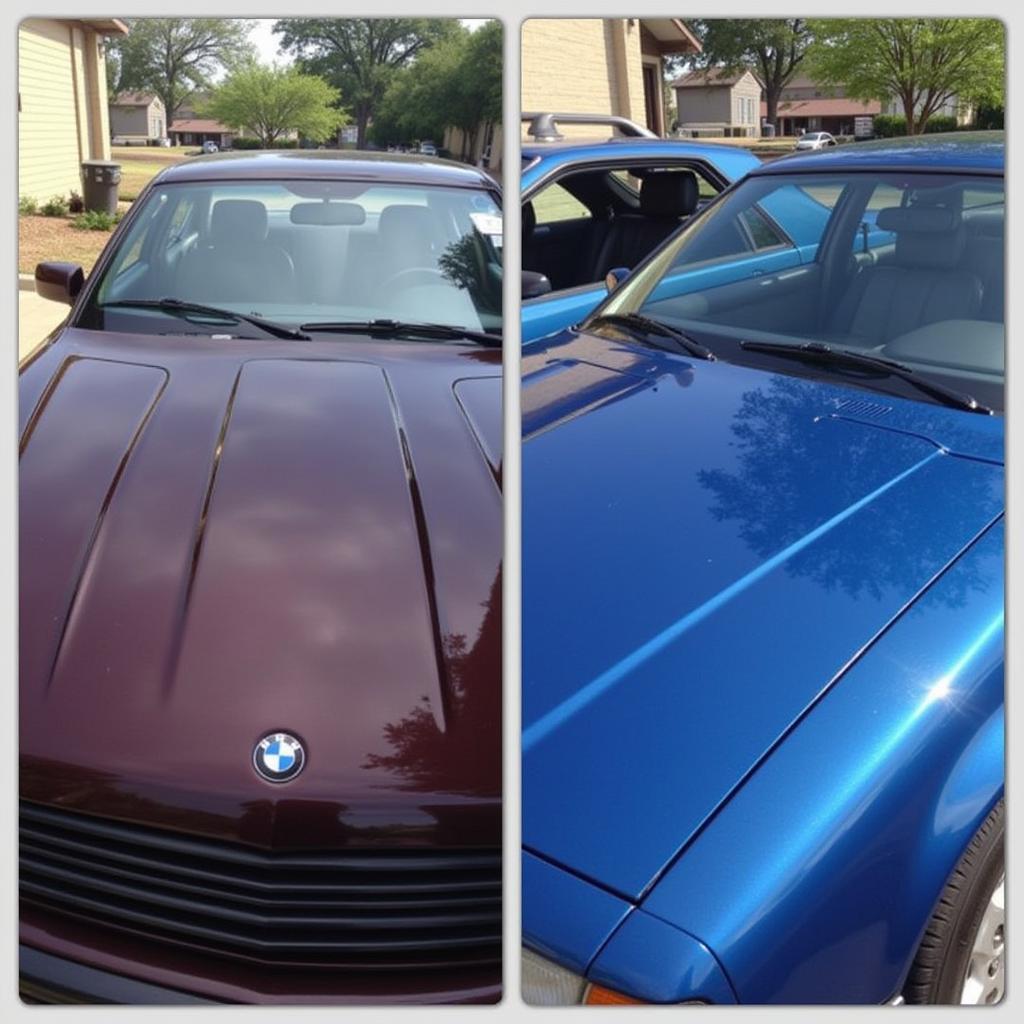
(456, 82)
(360, 56)
(272, 101)
(925, 62)
(175, 57)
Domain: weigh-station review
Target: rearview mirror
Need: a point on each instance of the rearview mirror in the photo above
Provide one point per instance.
(59, 282)
(615, 277)
(534, 284)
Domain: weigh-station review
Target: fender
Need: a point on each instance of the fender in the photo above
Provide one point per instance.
(815, 882)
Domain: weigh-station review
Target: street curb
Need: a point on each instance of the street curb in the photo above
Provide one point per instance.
(26, 283)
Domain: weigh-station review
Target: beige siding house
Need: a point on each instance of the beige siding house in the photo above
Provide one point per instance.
(718, 102)
(62, 102)
(601, 66)
(137, 117)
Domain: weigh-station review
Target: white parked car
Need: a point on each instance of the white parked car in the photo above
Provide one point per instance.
(428, 149)
(210, 147)
(814, 140)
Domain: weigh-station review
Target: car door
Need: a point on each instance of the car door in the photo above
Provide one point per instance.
(566, 234)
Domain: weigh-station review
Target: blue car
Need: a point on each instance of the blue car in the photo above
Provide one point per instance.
(763, 621)
(592, 206)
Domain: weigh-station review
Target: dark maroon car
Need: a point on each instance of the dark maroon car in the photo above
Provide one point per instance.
(260, 624)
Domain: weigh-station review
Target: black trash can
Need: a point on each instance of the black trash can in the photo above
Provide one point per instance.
(100, 182)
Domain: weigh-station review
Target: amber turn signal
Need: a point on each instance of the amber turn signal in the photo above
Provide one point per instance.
(596, 995)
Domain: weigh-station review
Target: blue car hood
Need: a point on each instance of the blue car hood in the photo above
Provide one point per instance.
(706, 548)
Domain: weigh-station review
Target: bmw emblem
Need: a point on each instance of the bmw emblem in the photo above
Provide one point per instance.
(279, 757)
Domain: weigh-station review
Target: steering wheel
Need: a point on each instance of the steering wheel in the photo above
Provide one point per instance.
(412, 276)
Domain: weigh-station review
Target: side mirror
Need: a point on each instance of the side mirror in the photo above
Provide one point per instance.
(615, 277)
(534, 284)
(59, 282)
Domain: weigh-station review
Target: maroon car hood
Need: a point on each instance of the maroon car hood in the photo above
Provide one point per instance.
(223, 538)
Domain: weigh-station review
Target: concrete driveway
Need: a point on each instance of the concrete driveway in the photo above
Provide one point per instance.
(36, 316)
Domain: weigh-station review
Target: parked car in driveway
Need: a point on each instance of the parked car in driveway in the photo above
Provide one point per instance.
(763, 608)
(260, 556)
(591, 206)
(814, 140)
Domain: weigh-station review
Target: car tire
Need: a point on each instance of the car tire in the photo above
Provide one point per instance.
(962, 956)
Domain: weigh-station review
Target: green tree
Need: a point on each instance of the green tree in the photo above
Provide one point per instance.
(923, 62)
(176, 57)
(272, 101)
(454, 83)
(773, 48)
(360, 56)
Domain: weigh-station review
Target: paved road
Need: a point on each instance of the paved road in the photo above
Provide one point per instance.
(36, 318)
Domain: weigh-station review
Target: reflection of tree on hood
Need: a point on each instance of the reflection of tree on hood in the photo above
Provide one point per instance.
(466, 756)
(789, 464)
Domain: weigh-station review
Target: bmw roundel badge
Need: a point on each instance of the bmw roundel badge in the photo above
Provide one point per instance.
(278, 757)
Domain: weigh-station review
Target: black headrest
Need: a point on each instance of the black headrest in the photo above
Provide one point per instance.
(930, 220)
(926, 236)
(328, 214)
(529, 219)
(238, 222)
(669, 194)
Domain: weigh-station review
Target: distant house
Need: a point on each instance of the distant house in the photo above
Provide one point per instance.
(804, 105)
(718, 102)
(136, 118)
(196, 131)
(62, 101)
(601, 66)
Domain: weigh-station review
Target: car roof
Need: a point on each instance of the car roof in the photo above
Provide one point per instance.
(948, 151)
(392, 168)
(540, 158)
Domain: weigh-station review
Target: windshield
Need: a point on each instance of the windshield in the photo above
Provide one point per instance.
(297, 252)
(908, 267)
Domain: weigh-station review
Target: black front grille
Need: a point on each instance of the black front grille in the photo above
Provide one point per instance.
(389, 909)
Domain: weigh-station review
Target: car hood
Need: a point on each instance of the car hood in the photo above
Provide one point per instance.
(706, 548)
(223, 538)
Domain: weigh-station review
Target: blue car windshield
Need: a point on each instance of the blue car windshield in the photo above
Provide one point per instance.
(906, 267)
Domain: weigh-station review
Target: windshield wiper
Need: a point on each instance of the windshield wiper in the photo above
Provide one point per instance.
(404, 329)
(644, 327)
(180, 307)
(819, 352)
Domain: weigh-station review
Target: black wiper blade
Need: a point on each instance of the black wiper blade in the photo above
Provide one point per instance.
(405, 329)
(645, 326)
(182, 308)
(819, 352)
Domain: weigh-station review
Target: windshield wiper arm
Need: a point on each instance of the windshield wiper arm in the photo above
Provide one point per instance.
(182, 308)
(645, 326)
(819, 352)
(404, 329)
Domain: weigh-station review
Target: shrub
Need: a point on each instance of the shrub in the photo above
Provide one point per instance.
(246, 143)
(940, 123)
(889, 125)
(55, 206)
(94, 220)
(28, 205)
(76, 204)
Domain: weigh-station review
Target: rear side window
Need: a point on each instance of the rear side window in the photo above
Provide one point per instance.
(555, 203)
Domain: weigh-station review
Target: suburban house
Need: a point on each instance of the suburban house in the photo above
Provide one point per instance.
(194, 131)
(806, 106)
(136, 118)
(718, 102)
(601, 66)
(62, 101)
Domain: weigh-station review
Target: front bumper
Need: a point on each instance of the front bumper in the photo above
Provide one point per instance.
(44, 978)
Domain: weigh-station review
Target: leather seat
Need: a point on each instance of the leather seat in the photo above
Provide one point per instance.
(238, 264)
(665, 198)
(923, 285)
